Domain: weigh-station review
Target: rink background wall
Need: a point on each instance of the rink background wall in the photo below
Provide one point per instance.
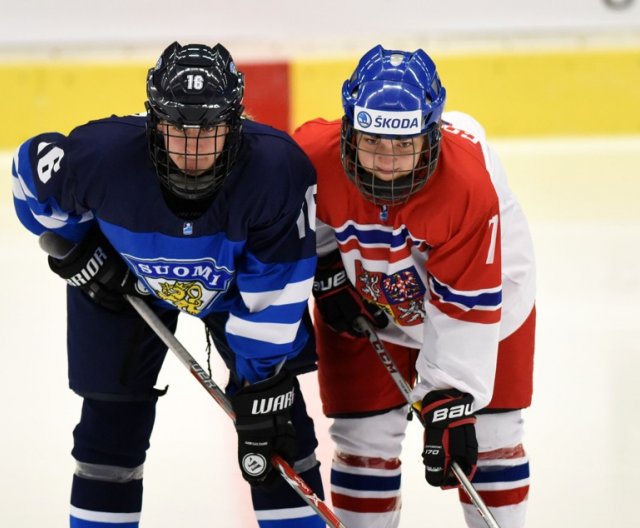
(525, 93)
(543, 68)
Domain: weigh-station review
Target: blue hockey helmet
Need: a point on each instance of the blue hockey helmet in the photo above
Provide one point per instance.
(194, 87)
(392, 95)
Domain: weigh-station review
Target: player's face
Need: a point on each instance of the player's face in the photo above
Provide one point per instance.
(194, 150)
(388, 159)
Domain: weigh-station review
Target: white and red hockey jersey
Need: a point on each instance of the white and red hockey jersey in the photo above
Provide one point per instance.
(453, 267)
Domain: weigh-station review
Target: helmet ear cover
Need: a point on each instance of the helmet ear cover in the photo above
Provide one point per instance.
(194, 86)
(392, 95)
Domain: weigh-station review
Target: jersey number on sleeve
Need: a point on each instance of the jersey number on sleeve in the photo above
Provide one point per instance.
(310, 202)
(49, 162)
(493, 225)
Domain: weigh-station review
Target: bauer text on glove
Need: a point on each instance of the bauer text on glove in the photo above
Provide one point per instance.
(449, 436)
(338, 301)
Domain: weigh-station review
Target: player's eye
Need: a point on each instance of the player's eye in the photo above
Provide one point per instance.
(174, 129)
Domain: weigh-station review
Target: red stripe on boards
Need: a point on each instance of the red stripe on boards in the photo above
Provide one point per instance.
(268, 93)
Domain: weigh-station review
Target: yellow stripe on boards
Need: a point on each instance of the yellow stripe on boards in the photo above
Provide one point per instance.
(57, 96)
(511, 94)
(542, 93)
(316, 88)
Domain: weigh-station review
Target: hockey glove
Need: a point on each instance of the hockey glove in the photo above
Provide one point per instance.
(449, 436)
(264, 427)
(96, 268)
(338, 301)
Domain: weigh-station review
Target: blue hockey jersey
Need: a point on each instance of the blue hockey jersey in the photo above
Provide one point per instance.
(251, 253)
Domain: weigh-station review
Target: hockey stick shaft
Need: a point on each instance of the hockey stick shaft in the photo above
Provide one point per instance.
(57, 246)
(287, 472)
(363, 326)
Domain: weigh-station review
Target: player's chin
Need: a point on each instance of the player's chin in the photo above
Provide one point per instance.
(194, 172)
(193, 164)
(195, 169)
(386, 175)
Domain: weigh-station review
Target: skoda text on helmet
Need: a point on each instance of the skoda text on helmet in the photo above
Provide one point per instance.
(393, 98)
(194, 106)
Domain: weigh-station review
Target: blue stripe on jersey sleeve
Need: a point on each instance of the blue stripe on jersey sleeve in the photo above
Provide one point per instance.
(256, 360)
(279, 314)
(25, 215)
(46, 215)
(261, 277)
(278, 294)
(468, 300)
(24, 168)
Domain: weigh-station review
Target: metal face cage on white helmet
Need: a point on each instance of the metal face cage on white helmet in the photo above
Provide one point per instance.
(194, 108)
(393, 103)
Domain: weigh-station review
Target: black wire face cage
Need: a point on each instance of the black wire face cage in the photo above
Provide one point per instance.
(418, 163)
(192, 162)
(194, 108)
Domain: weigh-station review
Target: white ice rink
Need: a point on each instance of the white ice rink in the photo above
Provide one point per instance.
(583, 435)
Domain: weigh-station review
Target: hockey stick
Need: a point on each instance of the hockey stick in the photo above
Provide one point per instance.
(57, 246)
(287, 472)
(363, 326)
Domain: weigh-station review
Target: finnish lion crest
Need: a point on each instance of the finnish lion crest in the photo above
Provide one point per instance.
(189, 285)
(183, 295)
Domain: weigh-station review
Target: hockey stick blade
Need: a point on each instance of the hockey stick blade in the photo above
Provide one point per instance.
(58, 247)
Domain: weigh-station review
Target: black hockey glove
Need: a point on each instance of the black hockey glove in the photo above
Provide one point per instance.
(264, 427)
(338, 301)
(96, 268)
(449, 436)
